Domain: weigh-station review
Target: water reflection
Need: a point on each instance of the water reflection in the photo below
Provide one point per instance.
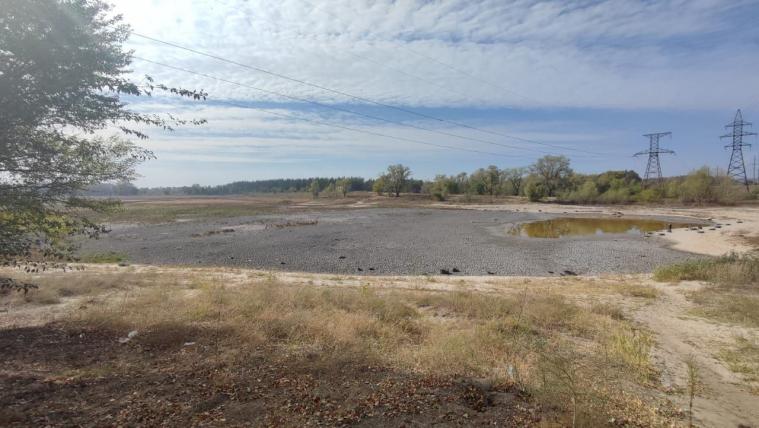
(573, 226)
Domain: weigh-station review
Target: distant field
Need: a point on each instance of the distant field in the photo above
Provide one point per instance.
(155, 209)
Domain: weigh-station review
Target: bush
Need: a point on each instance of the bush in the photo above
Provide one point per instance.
(617, 196)
(379, 185)
(697, 187)
(587, 193)
(703, 186)
(535, 190)
(650, 195)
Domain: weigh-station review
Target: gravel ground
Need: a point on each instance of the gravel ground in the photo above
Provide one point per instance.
(384, 242)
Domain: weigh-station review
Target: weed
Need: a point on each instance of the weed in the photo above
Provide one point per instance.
(694, 385)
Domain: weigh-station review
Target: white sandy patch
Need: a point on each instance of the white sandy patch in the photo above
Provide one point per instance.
(728, 238)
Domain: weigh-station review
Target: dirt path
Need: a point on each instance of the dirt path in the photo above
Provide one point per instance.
(725, 402)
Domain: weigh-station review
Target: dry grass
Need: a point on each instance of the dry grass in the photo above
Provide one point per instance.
(638, 290)
(730, 306)
(732, 294)
(728, 271)
(164, 213)
(743, 358)
(56, 287)
(539, 342)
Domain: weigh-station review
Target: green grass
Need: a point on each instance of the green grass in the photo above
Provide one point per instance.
(731, 270)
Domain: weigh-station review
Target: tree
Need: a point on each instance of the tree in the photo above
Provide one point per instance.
(396, 178)
(63, 73)
(314, 188)
(487, 180)
(380, 184)
(343, 186)
(554, 171)
(440, 187)
(515, 177)
(331, 189)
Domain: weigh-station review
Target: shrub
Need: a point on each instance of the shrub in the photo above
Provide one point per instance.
(697, 187)
(535, 190)
(587, 193)
(649, 195)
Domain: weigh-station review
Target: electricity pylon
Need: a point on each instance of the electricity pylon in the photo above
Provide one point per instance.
(737, 168)
(653, 169)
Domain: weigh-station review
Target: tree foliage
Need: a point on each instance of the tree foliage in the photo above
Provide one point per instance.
(514, 177)
(63, 74)
(396, 178)
(554, 171)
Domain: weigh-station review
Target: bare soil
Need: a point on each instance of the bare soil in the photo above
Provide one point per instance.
(142, 383)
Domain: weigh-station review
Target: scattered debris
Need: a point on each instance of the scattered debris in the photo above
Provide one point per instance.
(293, 224)
(128, 337)
(212, 232)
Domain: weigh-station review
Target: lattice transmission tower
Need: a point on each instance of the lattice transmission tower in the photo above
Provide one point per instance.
(653, 169)
(737, 168)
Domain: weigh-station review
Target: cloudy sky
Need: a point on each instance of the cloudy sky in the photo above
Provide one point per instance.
(442, 86)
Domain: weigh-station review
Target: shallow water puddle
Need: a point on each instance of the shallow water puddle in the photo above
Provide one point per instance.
(574, 226)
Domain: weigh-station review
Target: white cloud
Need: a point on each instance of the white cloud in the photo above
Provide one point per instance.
(557, 56)
(614, 53)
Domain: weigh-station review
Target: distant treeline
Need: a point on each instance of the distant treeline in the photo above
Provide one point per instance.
(280, 185)
(550, 177)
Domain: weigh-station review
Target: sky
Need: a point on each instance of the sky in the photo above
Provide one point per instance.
(347, 87)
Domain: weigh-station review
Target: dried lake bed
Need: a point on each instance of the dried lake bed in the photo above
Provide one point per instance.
(386, 241)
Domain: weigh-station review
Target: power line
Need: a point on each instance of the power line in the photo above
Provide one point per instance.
(369, 116)
(363, 131)
(356, 97)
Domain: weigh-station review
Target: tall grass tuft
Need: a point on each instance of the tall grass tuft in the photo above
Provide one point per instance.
(730, 270)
